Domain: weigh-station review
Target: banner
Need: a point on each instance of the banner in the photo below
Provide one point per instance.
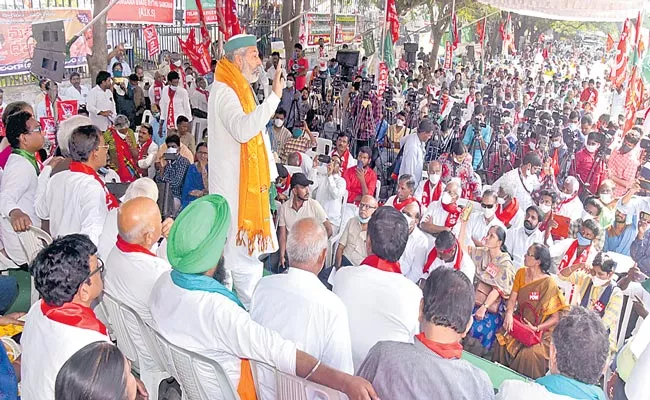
(369, 44)
(198, 54)
(142, 12)
(319, 26)
(209, 12)
(66, 109)
(382, 83)
(346, 28)
(392, 20)
(151, 37)
(619, 72)
(17, 44)
(449, 54)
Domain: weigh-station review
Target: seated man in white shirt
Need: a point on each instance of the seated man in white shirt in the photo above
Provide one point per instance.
(382, 303)
(329, 191)
(443, 215)
(68, 276)
(147, 151)
(518, 240)
(508, 210)
(192, 309)
(479, 223)
(431, 189)
(525, 179)
(570, 206)
(351, 249)
(77, 200)
(404, 196)
(417, 246)
(447, 253)
(299, 307)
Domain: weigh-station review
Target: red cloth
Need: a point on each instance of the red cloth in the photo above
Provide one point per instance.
(74, 314)
(505, 215)
(570, 253)
(285, 187)
(354, 185)
(590, 95)
(584, 161)
(427, 196)
(453, 211)
(433, 254)
(126, 166)
(399, 205)
(203, 92)
(444, 350)
(345, 157)
(111, 201)
(157, 91)
(303, 66)
(127, 247)
(171, 117)
(376, 262)
(142, 154)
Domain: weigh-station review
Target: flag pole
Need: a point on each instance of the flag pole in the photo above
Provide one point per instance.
(383, 32)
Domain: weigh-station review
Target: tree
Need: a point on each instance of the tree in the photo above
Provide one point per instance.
(291, 32)
(99, 59)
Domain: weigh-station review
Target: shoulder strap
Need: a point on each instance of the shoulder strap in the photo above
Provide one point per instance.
(607, 294)
(585, 297)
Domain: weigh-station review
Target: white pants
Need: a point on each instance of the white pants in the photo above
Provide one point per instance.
(246, 271)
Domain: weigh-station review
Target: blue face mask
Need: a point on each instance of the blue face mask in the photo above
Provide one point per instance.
(297, 132)
(362, 220)
(117, 74)
(583, 241)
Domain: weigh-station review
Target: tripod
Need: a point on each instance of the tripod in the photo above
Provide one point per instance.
(599, 163)
(362, 118)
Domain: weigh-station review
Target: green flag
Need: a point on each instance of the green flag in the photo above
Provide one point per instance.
(645, 69)
(467, 34)
(389, 54)
(369, 44)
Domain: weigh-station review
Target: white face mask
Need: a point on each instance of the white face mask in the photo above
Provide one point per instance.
(399, 123)
(177, 63)
(591, 148)
(606, 198)
(489, 212)
(278, 122)
(599, 282)
(545, 208)
(573, 127)
(446, 198)
(501, 201)
(586, 215)
(532, 145)
(557, 144)
(172, 88)
(290, 84)
(434, 178)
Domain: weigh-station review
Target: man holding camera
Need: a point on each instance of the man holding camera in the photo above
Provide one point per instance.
(479, 142)
(624, 162)
(589, 164)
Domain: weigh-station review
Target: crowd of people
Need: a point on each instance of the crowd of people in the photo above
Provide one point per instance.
(520, 240)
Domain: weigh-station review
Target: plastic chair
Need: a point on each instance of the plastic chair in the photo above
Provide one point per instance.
(293, 170)
(124, 341)
(6, 263)
(496, 372)
(198, 125)
(377, 189)
(146, 117)
(624, 321)
(32, 241)
(323, 146)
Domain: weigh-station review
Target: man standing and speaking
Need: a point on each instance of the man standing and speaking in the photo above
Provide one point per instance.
(241, 159)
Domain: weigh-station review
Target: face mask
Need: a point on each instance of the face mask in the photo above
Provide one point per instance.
(434, 178)
(583, 241)
(363, 220)
(172, 88)
(171, 150)
(156, 115)
(573, 127)
(625, 149)
(290, 84)
(117, 74)
(557, 144)
(102, 170)
(297, 132)
(278, 122)
(446, 198)
(177, 63)
(606, 198)
(501, 201)
(529, 228)
(545, 208)
(532, 145)
(489, 212)
(399, 123)
(598, 282)
(591, 148)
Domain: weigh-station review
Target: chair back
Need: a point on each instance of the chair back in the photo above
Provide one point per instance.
(293, 170)
(119, 327)
(378, 190)
(146, 117)
(624, 321)
(6, 263)
(32, 241)
(323, 146)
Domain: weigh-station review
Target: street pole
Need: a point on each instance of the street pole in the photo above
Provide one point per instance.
(383, 32)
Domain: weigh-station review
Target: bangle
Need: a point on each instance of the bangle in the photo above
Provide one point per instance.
(312, 370)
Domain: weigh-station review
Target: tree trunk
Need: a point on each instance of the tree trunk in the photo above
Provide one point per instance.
(287, 13)
(295, 25)
(437, 29)
(99, 59)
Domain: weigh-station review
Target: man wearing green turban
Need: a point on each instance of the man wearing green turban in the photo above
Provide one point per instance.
(194, 310)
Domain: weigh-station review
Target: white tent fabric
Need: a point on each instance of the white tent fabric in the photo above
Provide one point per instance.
(572, 10)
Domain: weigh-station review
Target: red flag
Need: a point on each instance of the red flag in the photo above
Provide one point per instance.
(392, 20)
(610, 43)
(205, 34)
(66, 109)
(198, 53)
(479, 31)
(619, 72)
(455, 37)
(228, 20)
(502, 31)
(633, 99)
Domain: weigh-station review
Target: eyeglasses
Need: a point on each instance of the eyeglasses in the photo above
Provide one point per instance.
(100, 269)
(103, 147)
(368, 206)
(35, 130)
(488, 206)
(203, 153)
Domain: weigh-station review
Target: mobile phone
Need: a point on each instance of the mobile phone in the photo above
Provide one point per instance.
(324, 158)
(359, 164)
(644, 216)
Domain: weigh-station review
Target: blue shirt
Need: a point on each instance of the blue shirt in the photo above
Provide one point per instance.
(486, 134)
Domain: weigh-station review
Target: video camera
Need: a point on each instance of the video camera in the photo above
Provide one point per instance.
(367, 84)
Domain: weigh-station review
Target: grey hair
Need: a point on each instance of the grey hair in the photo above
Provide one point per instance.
(582, 345)
(65, 131)
(84, 140)
(409, 180)
(121, 122)
(490, 193)
(454, 184)
(141, 187)
(237, 52)
(304, 246)
(508, 187)
(574, 183)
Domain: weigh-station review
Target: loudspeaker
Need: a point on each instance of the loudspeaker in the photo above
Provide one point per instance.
(410, 58)
(49, 36)
(348, 60)
(470, 53)
(48, 60)
(411, 47)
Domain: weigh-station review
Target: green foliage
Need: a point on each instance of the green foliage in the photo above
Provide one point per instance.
(569, 29)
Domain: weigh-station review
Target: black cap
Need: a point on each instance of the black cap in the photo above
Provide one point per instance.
(282, 170)
(426, 125)
(300, 179)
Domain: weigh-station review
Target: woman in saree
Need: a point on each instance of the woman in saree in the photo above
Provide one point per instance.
(538, 303)
(196, 179)
(495, 275)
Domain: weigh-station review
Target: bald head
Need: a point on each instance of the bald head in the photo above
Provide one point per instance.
(139, 221)
(453, 188)
(307, 245)
(293, 159)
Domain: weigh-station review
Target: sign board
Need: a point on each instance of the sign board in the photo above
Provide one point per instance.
(151, 37)
(142, 12)
(319, 26)
(346, 28)
(209, 12)
(382, 82)
(449, 54)
(369, 44)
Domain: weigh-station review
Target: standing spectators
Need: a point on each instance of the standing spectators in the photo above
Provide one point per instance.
(174, 102)
(279, 133)
(101, 106)
(76, 91)
(199, 99)
(185, 133)
(589, 94)
(330, 190)
(624, 162)
(117, 56)
(414, 149)
(589, 164)
(196, 180)
(174, 170)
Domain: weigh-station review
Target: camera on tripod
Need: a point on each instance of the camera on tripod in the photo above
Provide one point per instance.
(318, 83)
(338, 85)
(367, 84)
(412, 96)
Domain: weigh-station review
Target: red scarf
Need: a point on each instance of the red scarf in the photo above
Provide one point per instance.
(171, 118)
(452, 214)
(49, 107)
(126, 165)
(181, 72)
(142, 153)
(427, 197)
(570, 253)
(111, 201)
(127, 247)
(566, 201)
(433, 254)
(470, 99)
(555, 161)
(400, 205)
(376, 262)
(286, 186)
(157, 91)
(444, 103)
(505, 215)
(203, 92)
(73, 314)
(444, 350)
(345, 157)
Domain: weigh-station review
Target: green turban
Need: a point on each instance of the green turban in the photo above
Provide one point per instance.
(198, 236)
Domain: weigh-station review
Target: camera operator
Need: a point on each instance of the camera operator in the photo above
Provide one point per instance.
(572, 135)
(480, 141)
(290, 102)
(624, 162)
(557, 151)
(299, 65)
(366, 116)
(589, 164)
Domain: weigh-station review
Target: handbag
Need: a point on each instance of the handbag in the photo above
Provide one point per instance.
(522, 332)
(481, 294)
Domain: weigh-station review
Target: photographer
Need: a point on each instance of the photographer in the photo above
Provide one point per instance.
(477, 143)
(290, 102)
(589, 164)
(572, 134)
(557, 151)
(624, 162)
(299, 65)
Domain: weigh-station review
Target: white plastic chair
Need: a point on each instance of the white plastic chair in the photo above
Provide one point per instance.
(32, 241)
(198, 126)
(291, 387)
(377, 190)
(146, 117)
(293, 170)
(624, 321)
(323, 146)
(118, 326)
(6, 263)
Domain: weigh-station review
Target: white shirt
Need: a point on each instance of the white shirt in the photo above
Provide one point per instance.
(415, 255)
(466, 266)
(71, 93)
(18, 187)
(47, 345)
(617, 104)
(74, 202)
(477, 227)
(181, 104)
(412, 157)
(516, 390)
(352, 162)
(572, 209)
(100, 100)
(381, 306)
(419, 192)
(199, 101)
(518, 242)
(228, 127)
(216, 327)
(331, 190)
(301, 309)
(522, 193)
(439, 216)
(148, 161)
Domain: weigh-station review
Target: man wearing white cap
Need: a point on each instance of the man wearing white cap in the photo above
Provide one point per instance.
(240, 152)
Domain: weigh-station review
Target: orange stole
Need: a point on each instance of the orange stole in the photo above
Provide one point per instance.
(246, 387)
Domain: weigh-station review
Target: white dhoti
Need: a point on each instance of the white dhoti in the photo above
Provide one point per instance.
(228, 128)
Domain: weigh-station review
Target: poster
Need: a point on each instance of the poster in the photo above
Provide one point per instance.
(369, 44)
(382, 83)
(449, 54)
(319, 26)
(17, 45)
(142, 12)
(209, 11)
(66, 109)
(151, 37)
(346, 28)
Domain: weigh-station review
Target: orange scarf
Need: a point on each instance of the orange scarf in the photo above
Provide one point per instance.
(444, 350)
(253, 227)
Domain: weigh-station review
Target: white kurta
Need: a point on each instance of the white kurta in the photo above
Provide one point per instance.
(74, 202)
(216, 327)
(477, 227)
(18, 187)
(148, 161)
(47, 345)
(301, 309)
(515, 390)
(412, 157)
(518, 242)
(419, 192)
(522, 193)
(415, 255)
(381, 306)
(331, 190)
(181, 104)
(100, 100)
(439, 216)
(71, 93)
(573, 209)
(466, 266)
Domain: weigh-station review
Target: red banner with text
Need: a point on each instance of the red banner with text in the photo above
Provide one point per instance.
(151, 37)
(382, 83)
(449, 54)
(142, 12)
